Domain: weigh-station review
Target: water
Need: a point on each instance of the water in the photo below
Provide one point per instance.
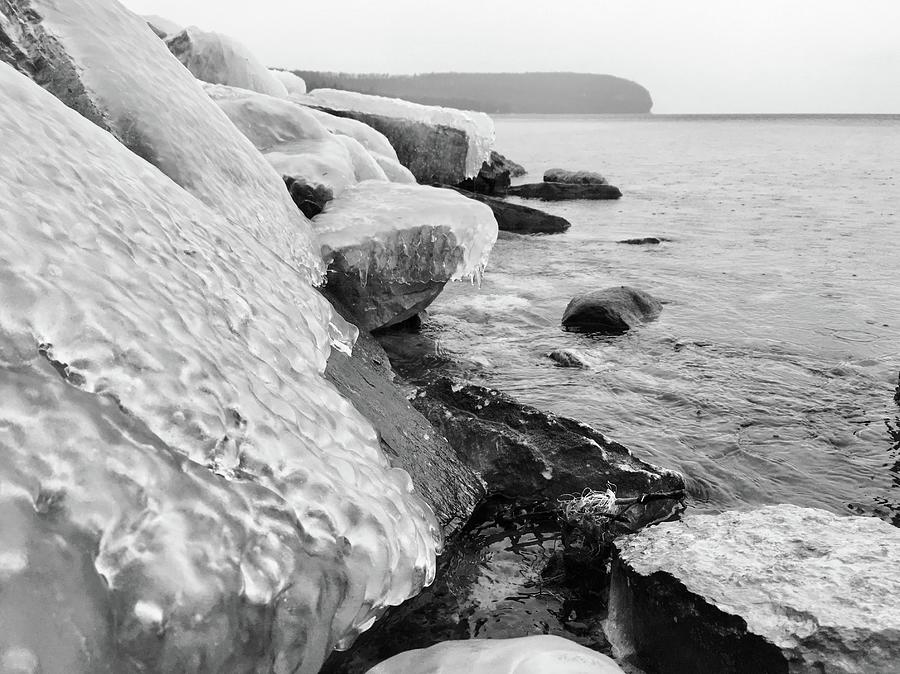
(770, 375)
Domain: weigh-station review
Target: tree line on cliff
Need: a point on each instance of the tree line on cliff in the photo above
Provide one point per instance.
(548, 93)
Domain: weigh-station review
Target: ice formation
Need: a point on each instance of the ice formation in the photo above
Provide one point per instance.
(291, 82)
(408, 233)
(181, 490)
(105, 62)
(219, 59)
(478, 127)
(374, 141)
(541, 654)
(162, 24)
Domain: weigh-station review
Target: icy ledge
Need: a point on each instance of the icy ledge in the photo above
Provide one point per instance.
(179, 482)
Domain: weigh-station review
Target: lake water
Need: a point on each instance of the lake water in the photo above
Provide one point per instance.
(770, 374)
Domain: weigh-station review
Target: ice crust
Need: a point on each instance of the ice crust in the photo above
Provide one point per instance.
(219, 59)
(408, 233)
(478, 127)
(295, 142)
(179, 482)
(292, 83)
(139, 92)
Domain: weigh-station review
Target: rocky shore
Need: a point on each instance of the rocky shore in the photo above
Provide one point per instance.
(227, 448)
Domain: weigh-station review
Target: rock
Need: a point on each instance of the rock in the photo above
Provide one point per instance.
(557, 175)
(527, 655)
(611, 311)
(219, 59)
(162, 26)
(520, 219)
(439, 145)
(310, 199)
(410, 442)
(515, 170)
(528, 454)
(779, 589)
(563, 191)
(102, 61)
(492, 179)
(566, 358)
(647, 240)
(391, 247)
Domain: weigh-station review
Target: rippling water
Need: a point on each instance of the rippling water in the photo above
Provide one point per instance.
(770, 375)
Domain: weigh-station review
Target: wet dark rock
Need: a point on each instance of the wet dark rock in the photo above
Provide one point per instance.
(494, 177)
(557, 175)
(778, 589)
(647, 240)
(528, 454)
(521, 219)
(566, 358)
(563, 191)
(310, 199)
(611, 311)
(366, 379)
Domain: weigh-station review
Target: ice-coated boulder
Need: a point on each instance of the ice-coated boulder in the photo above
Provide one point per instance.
(391, 247)
(294, 84)
(180, 490)
(103, 61)
(543, 654)
(778, 589)
(219, 59)
(439, 145)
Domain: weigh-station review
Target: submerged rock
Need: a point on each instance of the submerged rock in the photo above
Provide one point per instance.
(557, 175)
(779, 589)
(439, 145)
(563, 191)
(532, 455)
(647, 240)
(102, 61)
(180, 483)
(611, 311)
(219, 59)
(391, 247)
(520, 219)
(567, 358)
(526, 655)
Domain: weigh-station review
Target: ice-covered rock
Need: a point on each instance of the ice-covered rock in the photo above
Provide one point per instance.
(437, 144)
(543, 654)
(180, 488)
(294, 84)
(294, 142)
(779, 589)
(392, 247)
(394, 170)
(219, 59)
(104, 62)
(162, 26)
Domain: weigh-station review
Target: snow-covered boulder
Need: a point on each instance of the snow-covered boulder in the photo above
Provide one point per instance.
(437, 144)
(180, 488)
(103, 61)
(219, 59)
(162, 26)
(391, 247)
(779, 589)
(542, 654)
(293, 140)
(292, 83)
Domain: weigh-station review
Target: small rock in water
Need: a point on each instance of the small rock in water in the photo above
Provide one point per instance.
(566, 358)
(557, 175)
(778, 589)
(612, 311)
(564, 191)
(527, 655)
(644, 240)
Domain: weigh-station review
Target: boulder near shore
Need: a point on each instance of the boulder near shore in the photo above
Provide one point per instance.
(610, 311)
(564, 191)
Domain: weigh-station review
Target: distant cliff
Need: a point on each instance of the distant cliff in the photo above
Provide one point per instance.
(560, 93)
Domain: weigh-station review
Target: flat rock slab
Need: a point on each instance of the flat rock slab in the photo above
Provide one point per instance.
(557, 175)
(612, 311)
(520, 219)
(646, 240)
(526, 655)
(779, 589)
(564, 191)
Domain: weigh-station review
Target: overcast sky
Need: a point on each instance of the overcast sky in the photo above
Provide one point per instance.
(693, 55)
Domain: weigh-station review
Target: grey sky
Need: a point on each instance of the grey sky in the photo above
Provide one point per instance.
(693, 55)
